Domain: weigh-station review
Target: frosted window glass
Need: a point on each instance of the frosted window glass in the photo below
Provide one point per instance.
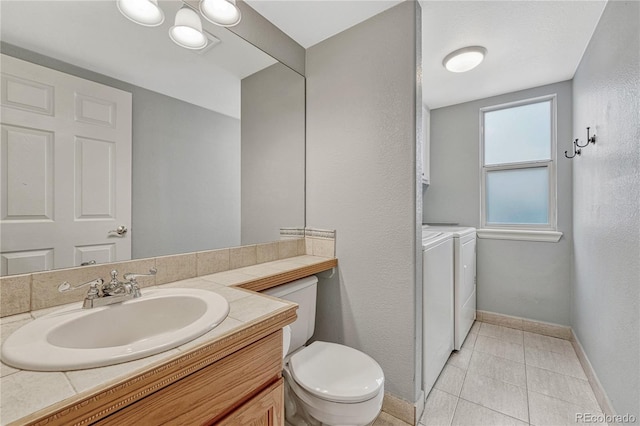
(518, 134)
(518, 196)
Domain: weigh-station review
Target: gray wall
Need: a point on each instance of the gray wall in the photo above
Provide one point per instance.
(273, 132)
(186, 177)
(606, 179)
(186, 169)
(521, 278)
(361, 173)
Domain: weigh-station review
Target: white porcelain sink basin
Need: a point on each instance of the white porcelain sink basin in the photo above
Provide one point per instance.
(74, 338)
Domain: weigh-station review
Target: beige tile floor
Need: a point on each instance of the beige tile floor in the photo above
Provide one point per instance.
(503, 376)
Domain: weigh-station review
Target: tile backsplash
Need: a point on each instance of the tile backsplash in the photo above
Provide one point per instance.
(27, 292)
(320, 242)
(44, 285)
(15, 294)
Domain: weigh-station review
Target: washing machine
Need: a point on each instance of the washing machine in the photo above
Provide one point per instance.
(437, 302)
(464, 278)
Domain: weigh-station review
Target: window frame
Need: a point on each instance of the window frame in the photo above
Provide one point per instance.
(550, 164)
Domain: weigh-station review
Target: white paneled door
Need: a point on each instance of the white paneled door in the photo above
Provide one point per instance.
(65, 170)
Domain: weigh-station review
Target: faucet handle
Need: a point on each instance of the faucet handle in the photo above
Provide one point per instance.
(132, 277)
(114, 278)
(65, 286)
(114, 287)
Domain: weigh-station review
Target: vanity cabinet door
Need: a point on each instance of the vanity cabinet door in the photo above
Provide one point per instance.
(265, 409)
(208, 395)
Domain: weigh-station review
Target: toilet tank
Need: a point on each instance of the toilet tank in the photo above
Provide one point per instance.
(302, 292)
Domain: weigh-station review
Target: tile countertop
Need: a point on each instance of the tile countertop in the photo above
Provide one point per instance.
(25, 392)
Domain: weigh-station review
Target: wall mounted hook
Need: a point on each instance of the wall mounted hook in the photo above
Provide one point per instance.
(576, 151)
(577, 146)
(590, 139)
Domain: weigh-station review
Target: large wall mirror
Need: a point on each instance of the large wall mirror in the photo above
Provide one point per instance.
(217, 139)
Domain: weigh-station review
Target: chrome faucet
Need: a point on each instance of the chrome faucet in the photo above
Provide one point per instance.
(115, 291)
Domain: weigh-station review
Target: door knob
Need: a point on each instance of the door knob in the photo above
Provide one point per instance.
(120, 231)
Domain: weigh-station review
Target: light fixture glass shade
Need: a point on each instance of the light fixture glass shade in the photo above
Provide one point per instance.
(221, 12)
(143, 12)
(187, 31)
(465, 59)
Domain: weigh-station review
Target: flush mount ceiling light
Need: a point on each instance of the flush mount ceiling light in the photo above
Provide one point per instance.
(221, 12)
(465, 59)
(187, 31)
(143, 12)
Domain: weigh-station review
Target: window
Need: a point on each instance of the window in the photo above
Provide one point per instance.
(518, 157)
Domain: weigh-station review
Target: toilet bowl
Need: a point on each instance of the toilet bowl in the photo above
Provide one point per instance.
(334, 384)
(325, 383)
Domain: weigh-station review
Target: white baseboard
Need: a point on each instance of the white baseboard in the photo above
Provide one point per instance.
(419, 407)
(532, 326)
(598, 390)
(403, 410)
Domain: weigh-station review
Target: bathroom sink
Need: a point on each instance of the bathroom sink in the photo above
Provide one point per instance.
(74, 338)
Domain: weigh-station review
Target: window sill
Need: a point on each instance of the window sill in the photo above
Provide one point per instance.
(520, 235)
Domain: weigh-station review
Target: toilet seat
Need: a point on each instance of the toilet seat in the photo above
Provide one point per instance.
(336, 373)
(327, 412)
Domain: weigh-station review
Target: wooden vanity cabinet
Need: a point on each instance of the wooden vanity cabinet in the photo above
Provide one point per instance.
(233, 379)
(265, 409)
(244, 388)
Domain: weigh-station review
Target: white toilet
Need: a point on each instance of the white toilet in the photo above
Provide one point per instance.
(327, 383)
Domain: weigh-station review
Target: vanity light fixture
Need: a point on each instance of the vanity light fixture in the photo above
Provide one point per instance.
(465, 59)
(224, 13)
(143, 12)
(187, 31)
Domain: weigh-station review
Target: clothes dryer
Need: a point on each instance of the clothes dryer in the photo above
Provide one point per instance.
(464, 277)
(437, 305)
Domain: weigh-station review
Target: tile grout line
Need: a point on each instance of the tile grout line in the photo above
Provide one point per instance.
(553, 372)
(498, 379)
(68, 379)
(525, 375)
(526, 380)
(480, 405)
(558, 372)
(12, 373)
(563, 400)
(498, 356)
(559, 399)
(491, 409)
(526, 386)
(538, 349)
(562, 374)
(466, 371)
(71, 383)
(458, 397)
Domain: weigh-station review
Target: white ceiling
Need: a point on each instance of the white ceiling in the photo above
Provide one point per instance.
(530, 43)
(95, 36)
(310, 21)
